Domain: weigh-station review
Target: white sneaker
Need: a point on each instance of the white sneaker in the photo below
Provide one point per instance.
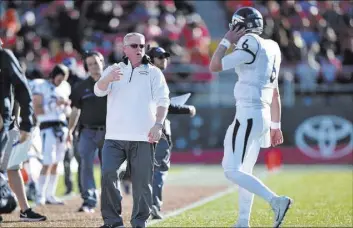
(280, 206)
(242, 224)
(54, 201)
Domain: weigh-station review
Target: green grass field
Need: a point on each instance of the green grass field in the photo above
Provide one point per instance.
(322, 197)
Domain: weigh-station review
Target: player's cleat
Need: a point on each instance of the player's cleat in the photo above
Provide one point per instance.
(54, 201)
(280, 206)
(87, 209)
(31, 216)
(242, 224)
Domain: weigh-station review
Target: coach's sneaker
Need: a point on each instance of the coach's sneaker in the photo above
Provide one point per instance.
(115, 225)
(156, 214)
(280, 206)
(242, 223)
(31, 216)
(54, 201)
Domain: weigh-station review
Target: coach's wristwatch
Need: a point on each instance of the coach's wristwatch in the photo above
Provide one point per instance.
(159, 125)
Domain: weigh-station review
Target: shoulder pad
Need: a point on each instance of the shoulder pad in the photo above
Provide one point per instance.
(65, 88)
(249, 42)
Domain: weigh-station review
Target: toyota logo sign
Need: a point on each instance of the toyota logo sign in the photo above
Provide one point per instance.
(324, 134)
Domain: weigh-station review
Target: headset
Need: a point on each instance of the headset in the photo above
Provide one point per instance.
(89, 54)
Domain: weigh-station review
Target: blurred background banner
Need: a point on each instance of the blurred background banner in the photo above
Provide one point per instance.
(319, 134)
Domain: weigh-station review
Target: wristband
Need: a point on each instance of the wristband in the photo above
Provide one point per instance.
(225, 43)
(275, 125)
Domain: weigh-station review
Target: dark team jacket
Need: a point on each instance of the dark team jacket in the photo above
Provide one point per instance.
(14, 86)
(176, 109)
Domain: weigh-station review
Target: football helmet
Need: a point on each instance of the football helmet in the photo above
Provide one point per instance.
(248, 17)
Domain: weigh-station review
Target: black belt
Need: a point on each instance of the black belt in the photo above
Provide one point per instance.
(45, 125)
(97, 128)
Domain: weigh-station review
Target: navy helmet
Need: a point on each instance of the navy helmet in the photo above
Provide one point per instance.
(248, 17)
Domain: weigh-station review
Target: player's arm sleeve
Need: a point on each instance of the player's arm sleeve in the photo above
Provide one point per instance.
(244, 53)
(22, 93)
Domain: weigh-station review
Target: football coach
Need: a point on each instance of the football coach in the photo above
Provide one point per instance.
(137, 105)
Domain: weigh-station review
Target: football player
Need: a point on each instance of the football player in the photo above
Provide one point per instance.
(52, 106)
(257, 121)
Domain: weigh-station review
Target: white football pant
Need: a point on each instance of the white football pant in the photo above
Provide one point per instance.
(249, 131)
(53, 150)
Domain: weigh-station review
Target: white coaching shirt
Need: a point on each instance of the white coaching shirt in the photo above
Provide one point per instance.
(133, 101)
(256, 62)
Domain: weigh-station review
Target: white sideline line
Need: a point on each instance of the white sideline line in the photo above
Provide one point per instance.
(194, 205)
(203, 201)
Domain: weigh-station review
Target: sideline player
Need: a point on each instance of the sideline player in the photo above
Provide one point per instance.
(256, 62)
(51, 106)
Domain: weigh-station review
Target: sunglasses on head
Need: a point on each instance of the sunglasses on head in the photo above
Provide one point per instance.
(137, 45)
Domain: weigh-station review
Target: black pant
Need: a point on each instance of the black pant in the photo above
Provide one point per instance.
(140, 158)
(70, 153)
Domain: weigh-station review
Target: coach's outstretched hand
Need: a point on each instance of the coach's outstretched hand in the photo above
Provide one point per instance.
(112, 73)
(276, 137)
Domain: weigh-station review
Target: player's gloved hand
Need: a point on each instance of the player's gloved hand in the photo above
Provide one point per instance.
(233, 36)
(155, 133)
(276, 137)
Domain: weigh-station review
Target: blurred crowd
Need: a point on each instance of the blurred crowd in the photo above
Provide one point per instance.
(316, 37)
(43, 33)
